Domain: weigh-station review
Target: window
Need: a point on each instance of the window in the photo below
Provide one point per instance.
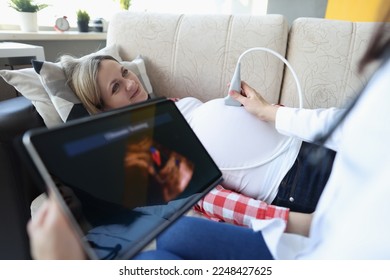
(106, 8)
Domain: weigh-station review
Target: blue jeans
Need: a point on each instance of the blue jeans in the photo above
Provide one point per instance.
(302, 186)
(200, 239)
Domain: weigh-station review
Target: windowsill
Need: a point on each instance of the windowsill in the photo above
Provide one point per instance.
(14, 35)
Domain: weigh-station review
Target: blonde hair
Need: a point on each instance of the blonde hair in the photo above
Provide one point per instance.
(81, 74)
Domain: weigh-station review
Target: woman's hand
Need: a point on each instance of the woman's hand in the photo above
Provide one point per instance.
(51, 236)
(254, 103)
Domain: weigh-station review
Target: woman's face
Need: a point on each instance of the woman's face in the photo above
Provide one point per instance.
(119, 87)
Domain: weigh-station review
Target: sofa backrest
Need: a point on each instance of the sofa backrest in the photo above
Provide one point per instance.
(195, 55)
(325, 55)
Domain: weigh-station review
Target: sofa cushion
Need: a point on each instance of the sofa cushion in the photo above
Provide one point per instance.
(325, 55)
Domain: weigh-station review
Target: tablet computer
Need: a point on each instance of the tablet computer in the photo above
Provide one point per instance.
(123, 176)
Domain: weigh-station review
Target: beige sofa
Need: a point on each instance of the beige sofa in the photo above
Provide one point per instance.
(195, 55)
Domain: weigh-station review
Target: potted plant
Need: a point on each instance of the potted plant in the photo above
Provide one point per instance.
(28, 13)
(83, 21)
(124, 4)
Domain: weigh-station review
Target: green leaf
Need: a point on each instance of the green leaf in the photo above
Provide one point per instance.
(27, 6)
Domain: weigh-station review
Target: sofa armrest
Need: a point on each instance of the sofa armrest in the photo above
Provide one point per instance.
(17, 188)
(16, 116)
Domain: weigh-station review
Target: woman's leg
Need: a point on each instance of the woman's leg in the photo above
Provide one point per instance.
(197, 238)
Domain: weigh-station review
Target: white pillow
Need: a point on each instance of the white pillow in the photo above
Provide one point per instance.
(27, 82)
(137, 66)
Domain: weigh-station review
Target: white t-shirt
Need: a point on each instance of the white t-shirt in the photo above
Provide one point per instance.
(352, 217)
(251, 154)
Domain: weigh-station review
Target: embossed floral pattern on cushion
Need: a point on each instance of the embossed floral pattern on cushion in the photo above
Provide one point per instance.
(325, 55)
(195, 55)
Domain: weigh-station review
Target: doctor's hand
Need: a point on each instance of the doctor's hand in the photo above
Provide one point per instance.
(254, 103)
(51, 236)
